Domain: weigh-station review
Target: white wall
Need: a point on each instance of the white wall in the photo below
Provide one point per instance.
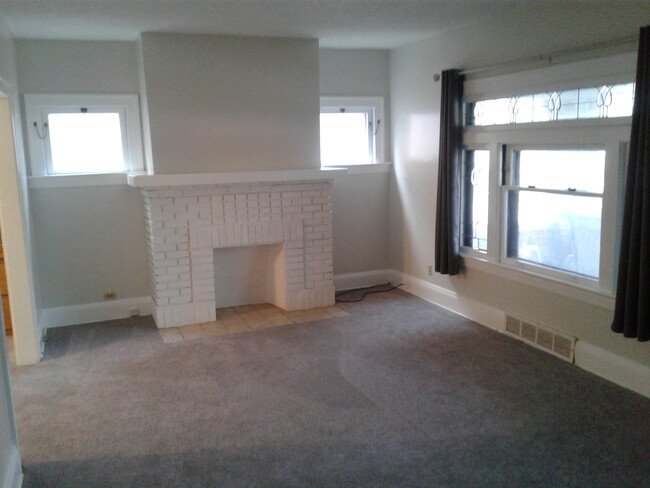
(415, 109)
(91, 240)
(219, 103)
(87, 240)
(360, 201)
(10, 471)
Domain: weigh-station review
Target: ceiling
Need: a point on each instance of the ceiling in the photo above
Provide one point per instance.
(380, 24)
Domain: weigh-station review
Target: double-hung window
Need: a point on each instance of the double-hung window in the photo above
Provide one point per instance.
(542, 176)
(351, 130)
(83, 134)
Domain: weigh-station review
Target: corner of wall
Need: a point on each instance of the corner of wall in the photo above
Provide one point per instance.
(144, 111)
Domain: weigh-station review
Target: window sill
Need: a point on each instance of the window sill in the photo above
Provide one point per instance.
(574, 291)
(362, 169)
(76, 181)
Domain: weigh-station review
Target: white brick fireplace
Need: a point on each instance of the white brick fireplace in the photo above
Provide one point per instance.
(189, 216)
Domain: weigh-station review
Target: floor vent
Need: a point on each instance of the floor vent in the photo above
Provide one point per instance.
(544, 338)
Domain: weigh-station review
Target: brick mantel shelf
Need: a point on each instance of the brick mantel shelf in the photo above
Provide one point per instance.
(188, 216)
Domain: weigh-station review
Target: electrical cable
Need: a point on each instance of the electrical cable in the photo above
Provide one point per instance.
(365, 291)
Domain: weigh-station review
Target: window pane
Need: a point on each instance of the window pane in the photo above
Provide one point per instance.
(622, 101)
(583, 170)
(476, 178)
(344, 138)
(568, 105)
(86, 143)
(580, 103)
(557, 231)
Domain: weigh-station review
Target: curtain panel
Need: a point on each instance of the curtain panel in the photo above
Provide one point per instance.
(449, 160)
(632, 311)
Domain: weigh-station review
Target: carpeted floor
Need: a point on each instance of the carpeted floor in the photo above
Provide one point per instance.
(398, 394)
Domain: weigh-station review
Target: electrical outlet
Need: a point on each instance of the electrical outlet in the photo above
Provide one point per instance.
(430, 271)
(110, 295)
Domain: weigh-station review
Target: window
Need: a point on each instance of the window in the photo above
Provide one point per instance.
(554, 207)
(580, 103)
(476, 180)
(83, 134)
(351, 130)
(544, 197)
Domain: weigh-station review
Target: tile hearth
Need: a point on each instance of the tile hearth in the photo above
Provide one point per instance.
(247, 318)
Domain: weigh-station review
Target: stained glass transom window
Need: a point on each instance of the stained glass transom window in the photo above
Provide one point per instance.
(581, 103)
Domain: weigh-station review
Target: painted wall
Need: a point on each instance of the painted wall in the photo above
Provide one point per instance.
(91, 240)
(219, 103)
(360, 214)
(87, 240)
(360, 201)
(415, 109)
(9, 454)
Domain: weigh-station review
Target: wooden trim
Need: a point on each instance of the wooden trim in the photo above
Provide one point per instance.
(4, 292)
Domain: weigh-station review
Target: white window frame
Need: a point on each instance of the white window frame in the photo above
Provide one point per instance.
(610, 134)
(39, 106)
(374, 107)
(491, 148)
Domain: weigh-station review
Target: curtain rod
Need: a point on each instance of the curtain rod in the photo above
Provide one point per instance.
(549, 58)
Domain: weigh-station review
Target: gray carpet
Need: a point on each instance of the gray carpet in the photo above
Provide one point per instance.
(399, 394)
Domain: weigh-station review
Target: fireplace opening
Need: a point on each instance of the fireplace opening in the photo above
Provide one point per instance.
(247, 275)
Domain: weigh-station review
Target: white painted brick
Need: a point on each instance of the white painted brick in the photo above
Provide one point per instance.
(301, 201)
(199, 207)
(175, 239)
(203, 274)
(174, 285)
(179, 299)
(199, 268)
(167, 293)
(185, 200)
(202, 253)
(204, 296)
(173, 224)
(176, 254)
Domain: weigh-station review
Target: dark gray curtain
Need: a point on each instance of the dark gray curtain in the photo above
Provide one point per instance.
(451, 140)
(632, 312)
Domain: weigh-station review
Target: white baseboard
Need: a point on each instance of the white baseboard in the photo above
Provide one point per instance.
(614, 368)
(13, 476)
(94, 312)
(351, 281)
(485, 315)
(623, 372)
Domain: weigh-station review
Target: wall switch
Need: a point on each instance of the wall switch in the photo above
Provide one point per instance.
(430, 270)
(110, 295)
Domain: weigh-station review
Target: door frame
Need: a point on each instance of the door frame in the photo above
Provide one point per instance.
(15, 232)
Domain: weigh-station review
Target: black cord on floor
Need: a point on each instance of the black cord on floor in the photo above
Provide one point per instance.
(365, 291)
